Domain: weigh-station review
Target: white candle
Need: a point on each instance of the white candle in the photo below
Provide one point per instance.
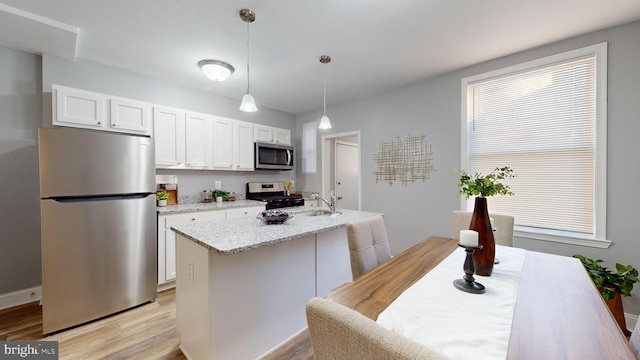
(469, 238)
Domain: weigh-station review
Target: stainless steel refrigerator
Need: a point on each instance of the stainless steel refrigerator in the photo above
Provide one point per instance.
(98, 217)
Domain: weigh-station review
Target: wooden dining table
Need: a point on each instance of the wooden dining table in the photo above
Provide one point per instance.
(559, 313)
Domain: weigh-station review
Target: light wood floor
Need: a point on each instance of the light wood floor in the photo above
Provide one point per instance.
(146, 332)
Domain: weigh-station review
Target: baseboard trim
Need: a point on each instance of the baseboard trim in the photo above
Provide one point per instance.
(166, 286)
(20, 297)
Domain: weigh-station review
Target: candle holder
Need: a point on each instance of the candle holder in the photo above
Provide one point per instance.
(468, 283)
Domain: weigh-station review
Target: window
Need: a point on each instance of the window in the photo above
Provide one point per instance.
(546, 119)
(309, 147)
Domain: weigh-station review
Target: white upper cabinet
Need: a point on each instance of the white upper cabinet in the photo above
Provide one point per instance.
(130, 116)
(243, 145)
(282, 136)
(199, 136)
(222, 143)
(169, 133)
(78, 108)
(263, 133)
(90, 110)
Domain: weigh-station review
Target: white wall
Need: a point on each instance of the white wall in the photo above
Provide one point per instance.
(20, 117)
(433, 107)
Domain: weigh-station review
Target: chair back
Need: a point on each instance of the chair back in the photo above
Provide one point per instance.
(368, 244)
(635, 339)
(338, 332)
(503, 224)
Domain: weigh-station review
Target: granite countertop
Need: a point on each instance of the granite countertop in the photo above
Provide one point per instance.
(185, 208)
(232, 236)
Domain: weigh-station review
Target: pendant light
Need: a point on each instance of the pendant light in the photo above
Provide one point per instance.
(248, 103)
(325, 123)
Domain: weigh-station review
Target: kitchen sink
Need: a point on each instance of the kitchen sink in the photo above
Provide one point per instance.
(319, 213)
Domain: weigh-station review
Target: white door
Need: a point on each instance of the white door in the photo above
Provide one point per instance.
(346, 176)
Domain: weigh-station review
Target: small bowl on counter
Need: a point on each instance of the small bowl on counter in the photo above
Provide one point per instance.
(272, 217)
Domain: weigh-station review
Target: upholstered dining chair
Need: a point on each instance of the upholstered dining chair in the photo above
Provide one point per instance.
(368, 244)
(338, 332)
(635, 339)
(503, 224)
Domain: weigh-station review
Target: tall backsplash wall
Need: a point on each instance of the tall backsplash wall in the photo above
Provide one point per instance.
(191, 183)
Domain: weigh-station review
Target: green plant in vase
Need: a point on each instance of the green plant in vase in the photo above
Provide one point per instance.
(483, 186)
(612, 285)
(219, 194)
(162, 195)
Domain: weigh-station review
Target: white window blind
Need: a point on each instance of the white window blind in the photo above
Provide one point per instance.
(542, 121)
(309, 147)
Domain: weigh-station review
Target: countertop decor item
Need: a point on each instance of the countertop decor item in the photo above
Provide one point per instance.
(219, 195)
(161, 198)
(482, 187)
(612, 285)
(271, 217)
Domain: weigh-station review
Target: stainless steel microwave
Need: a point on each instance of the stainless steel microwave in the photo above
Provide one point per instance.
(273, 156)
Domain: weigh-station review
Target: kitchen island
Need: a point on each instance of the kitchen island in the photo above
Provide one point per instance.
(242, 285)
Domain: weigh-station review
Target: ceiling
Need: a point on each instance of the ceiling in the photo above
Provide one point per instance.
(374, 44)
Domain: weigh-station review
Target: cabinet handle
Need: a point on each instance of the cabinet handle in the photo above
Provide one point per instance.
(99, 122)
(193, 219)
(114, 125)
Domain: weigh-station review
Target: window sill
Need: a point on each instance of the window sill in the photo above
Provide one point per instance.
(589, 242)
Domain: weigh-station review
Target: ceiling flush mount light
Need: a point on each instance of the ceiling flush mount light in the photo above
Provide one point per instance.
(216, 70)
(248, 103)
(325, 123)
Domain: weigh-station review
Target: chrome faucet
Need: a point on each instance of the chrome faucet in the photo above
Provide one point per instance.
(331, 203)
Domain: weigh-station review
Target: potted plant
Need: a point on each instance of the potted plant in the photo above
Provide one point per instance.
(161, 198)
(219, 195)
(612, 285)
(481, 187)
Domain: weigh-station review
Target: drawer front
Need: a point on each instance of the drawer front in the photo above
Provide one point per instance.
(178, 219)
(247, 211)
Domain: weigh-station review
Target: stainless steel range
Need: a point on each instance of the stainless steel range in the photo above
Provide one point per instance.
(273, 194)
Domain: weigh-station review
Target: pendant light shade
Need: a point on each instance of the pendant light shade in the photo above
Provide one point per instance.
(325, 123)
(248, 103)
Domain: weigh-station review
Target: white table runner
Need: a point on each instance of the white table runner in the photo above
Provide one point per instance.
(457, 324)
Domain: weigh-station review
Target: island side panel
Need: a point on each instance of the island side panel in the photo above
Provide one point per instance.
(258, 297)
(192, 298)
(333, 265)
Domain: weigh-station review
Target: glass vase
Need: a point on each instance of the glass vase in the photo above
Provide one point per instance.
(483, 259)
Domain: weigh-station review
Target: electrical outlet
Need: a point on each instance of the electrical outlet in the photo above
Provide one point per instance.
(218, 185)
(190, 270)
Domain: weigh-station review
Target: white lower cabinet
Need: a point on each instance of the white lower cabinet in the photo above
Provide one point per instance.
(167, 238)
